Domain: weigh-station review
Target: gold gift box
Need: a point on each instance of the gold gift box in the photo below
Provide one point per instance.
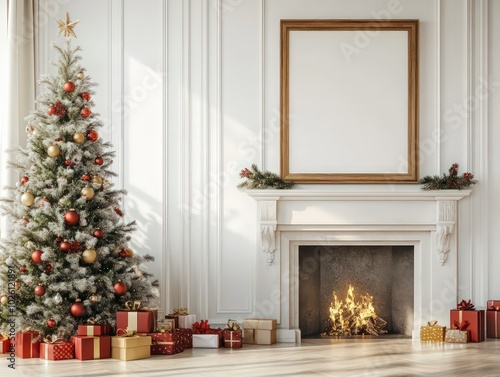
(259, 331)
(457, 336)
(130, 348)
(265, 336)
(259, 323)
(248, 336)
(433, 333)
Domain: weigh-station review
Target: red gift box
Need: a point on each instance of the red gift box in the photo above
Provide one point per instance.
(4, 344)
(232, 338)
(493, 324)
(92, 347)
(94, 330)
(57, 351)
(185, 337)
(492, 304)
(476, 320)
(167, 343)
(175, 318)
(28, 345)
(141, 321)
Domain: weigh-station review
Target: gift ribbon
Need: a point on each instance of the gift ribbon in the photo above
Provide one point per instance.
(432, 323)
(462, 326)
(164, 328)
(181, 311)
(128, 332)
(134, 305)
(49, 340)
(465, 305)
(165, 343)
(94, 322)
(4, 336)
(232, 325)
(97, 348)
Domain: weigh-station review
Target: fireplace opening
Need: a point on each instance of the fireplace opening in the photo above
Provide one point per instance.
(382, 275)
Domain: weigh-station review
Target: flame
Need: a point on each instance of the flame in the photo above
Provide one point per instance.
(354, 316)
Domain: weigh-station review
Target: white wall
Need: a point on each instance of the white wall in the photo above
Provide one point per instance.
(189, 90)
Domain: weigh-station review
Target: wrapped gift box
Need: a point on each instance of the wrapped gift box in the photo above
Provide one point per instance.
(206, 340)
(28, 345)
(248, 336)
(233, 338)
(167, 343)
(264, 330)
(493, 324)
(265, 336)
(57, 351)
(432, 332)
(92, 347)
(175, 318)
(4, 344)
(141, 321)
(492, 304)
(130, 348)
(185, 337)
(457, 336)
(476, 321)
(94, 330)
(187, 321)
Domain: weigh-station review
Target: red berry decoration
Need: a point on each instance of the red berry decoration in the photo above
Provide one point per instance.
(51, 110)
(58, 239)
(85, 96)
(23, 268)
(39, 290)
(98, 233)
(24, 180)
(120, 288)
(92, 135)
(36, 256)
(69, 163)
(69, 87)
(71, 218)
(65, 246)
(51, 323)
(48, 268)
(85, 112)
(60, 109)
(99, 160)
(77, 309)
(118, 211)
(86, 177)
(75, 247)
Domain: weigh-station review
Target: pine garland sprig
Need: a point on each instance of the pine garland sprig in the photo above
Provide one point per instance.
(451, 181)
(255, 179)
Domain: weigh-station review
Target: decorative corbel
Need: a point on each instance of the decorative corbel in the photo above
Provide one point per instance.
(268, 224)
(445, 227)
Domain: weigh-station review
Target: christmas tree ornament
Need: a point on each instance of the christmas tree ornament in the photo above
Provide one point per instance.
(51, 323)
(53, 151)
(118, 211)
(80, 76)
(51, 110)
(77, 309)
(68, 163)
(66, 26)
(88, 193)
(65, 246)
(27, 199)
(85, 96)
(92, 135)
(99, 160)
(69, 87)
(39, 290)
(9, 261)
(97, 180)
(59, 109)
(98, 233)
(89, 256)
(36, 256)
(58, 239)
(48, 268)
(85, 112)
(4, 300)
(75, 247)
(126, 252)
(86, 177)
(23, 268)
(24, 180)
(71, 218)
(58, 300)
(120, 288)
(93, 298)
(79, 138)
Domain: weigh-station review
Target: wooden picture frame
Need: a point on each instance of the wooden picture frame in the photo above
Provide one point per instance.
(327, 67)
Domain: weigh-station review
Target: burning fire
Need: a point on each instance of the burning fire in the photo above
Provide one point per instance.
(353, 317)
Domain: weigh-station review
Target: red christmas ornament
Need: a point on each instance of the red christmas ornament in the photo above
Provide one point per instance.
(92, 135)
(98, 233)
(86, 177)
(51, 323)
(71, 218)
(99, 160)
(60, 109)
(124, 253)
(58, 239)
(39, 290)
(65, 246)
(23, 268)
(77, 309)
(85, 112)
(24, 180)
(51, 110)
(69, 87)
(120, 288)
(36, 256)
(118, 211)
(48, 268)
(85, 96)
(69, 163)
(58, 139)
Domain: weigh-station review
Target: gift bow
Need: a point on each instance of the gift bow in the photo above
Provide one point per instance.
(164, 327)
(495, 308)
(94, 322)
(465, 305)
(432, 323)
(461, 326)
(134, 305)
(201, 327)
(232, 325)
(48, 339)
(127, 333)
(181, 311)
(4, 336)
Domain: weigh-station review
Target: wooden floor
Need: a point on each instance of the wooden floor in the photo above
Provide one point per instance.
(313, 357)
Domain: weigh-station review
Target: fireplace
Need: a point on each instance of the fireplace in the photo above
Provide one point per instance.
(287, 220)
(383, 274)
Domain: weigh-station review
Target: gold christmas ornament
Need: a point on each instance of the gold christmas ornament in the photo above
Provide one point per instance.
(80, 76)
(97, 179)
(27, 199)
(53, 151)
(79, 138)
(93, 298)
(89, 256)
(66, 27)
(4, 300)
(88, 193)
(129, 251)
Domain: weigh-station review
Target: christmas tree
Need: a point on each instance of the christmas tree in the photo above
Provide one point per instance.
(66, 258)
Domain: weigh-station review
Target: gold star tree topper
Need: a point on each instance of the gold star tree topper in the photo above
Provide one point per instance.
(66, 27)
